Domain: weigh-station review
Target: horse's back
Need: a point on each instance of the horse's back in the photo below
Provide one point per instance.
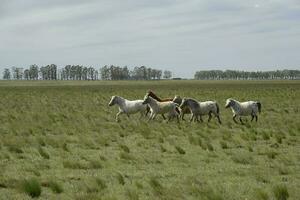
(166, 103)
(207, 103)
(248, 107)
(167, 106)
(208, 106)
(135, 106)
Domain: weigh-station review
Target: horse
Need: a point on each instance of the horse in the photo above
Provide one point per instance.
(151, 94)
(202, 108)
(243, 109)
(157, 107)
(128, 107)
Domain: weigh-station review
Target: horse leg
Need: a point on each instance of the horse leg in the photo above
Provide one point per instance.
(210, 116)
(195, 118)
(117, 116)
(241, 121)
(169, 118)
(182, 116)
(150, 117)
(173, 115)
(256, 118)
(192, 117)
(163, 116)
(234, 116)
(218, 117)
(142, 114)
(147, 111)
(177, 116)
(153, 116)
(252, 117)
(201, 118)
(219, 120)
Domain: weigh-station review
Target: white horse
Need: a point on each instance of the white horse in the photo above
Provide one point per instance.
(243, 108)
(128, 107)
(201, 108)
(210, 107)
(156, 107)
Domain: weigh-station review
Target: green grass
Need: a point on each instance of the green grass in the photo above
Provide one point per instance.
(62, 138)
(281, 192)
(54, 186)
(32, 187)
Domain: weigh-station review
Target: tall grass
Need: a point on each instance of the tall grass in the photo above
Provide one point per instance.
(32, 187)
(66, 130)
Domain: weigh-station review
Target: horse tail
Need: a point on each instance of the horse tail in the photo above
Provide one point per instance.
(258, 106)
(218, 108)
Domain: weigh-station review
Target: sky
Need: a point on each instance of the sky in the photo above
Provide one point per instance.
(183, 36)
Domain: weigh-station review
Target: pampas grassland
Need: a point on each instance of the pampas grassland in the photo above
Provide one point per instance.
(59, 140)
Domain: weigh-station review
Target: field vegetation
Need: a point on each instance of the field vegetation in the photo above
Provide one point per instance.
(59, 140)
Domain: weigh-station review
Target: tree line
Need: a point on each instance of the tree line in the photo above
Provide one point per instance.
(247, 75)
(138, 73)
(78, 72)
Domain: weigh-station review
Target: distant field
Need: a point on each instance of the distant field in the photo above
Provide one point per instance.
(59, 140)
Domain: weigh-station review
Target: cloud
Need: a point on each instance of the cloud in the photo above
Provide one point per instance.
(170, 34)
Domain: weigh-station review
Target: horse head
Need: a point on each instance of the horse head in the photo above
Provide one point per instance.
(229, 102)
(184, 102)
(146, 99)
(112, 101)
(149, 91)
(177, 99)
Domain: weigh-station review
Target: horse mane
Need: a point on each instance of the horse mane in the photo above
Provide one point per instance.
(190, 99)
(119, 97)
(231, 99)
(154, 96)
(151, 94)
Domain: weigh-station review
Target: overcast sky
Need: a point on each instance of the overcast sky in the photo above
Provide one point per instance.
(179, 35)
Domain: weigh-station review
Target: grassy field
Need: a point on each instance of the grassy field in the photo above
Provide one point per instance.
(59, 140)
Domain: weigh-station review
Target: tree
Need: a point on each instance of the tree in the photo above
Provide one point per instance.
(158, 74)
(53, 71)
(167, 74)
(26, 74)
(6, 74)
(91, 73)
(246, 75)
(17, 73)
(125, 73)
(33, 72)
(104, 71)
(84, 73)
(68, 72)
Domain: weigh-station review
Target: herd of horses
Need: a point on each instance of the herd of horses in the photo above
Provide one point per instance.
(177, 107)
